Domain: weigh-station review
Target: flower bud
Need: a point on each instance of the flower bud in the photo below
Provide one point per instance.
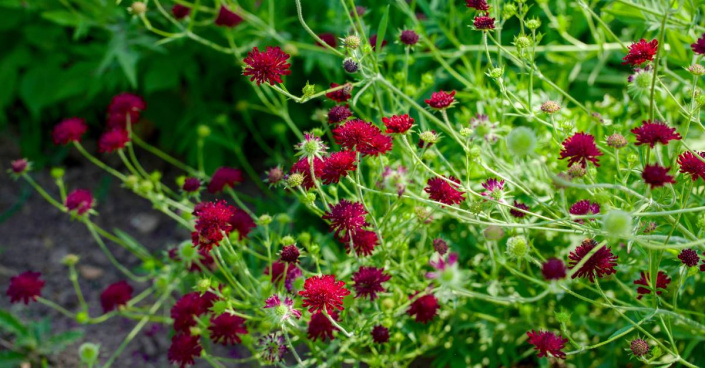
(617, 223)
(203, 131)
(294, 180)
(495, 73)
(518, 247)
(617, 141)
(264, 220)
(696, 69)
(429, 137)
(138, 8)
(522, 42)
(70, 260)
(203, 285)
(533, 24)
(283, 218)
(639, 347)
(88, 352)
(82, 317)
(521, 141)
(550, 107)
(286, 240)
(57, 172)
(576, 171)
(350, 65)
(308, 90)
(351, 42)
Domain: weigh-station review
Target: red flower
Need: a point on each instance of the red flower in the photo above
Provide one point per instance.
(641, 52)
(546, 343)
(323, 293)
(115, 295)
(242, 222)
(656, 176)
(228, 18)
(662, 281)
(584, 207)
(191, 185)
(212, 223)
(225, 328)
(398, 124)
(274, 175)
(693, 165)
(122, 107)
(355, 134)
(373, 42)
(424, 308)
(380, 334)
(656, 132)
(346, 217)
(277, 271)
(329, 39)
(179, 11)
(368, 281)
(553, 269)
(25, 287)
(290, 254)
(379, 145)
(340, 95)
(440, 100)
(483, 22)
(600, 264)
(338, 114)
(580, 148)
(80, 200)
(337, 165)
(689, 257)
(266, 66)
(409, 37)
(517, 213)
(480, 5)
(303, 167)
(699, 45)
(224, 177)
(440, 246)
(69, 130)
(319, 327)
(441, 190)
(363, 241)
(189, 306)
(113, 140)
(19, 166)
(184, 348)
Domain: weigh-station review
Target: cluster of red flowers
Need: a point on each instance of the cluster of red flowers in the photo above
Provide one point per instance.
(445, 190)
(363, 137)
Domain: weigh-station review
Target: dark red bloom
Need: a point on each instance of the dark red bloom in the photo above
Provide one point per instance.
(656, 132)
(409, 37)
(338, 114)
(441, 190)
(693, 165)
(662, 281)
(641, 52)
(19, 166)
(268, 66)
(346, 217)
(441, 99)
(242, 222)
(546, 343)
(277, 271)
(656, 176)
(225, 329)
(191, 185)
(189, 306)
(80, 200)
(639, 347)
(363, 242)
(483, 22)
(398, 123)
(368, 281)
(355, 134)
(379, 145)
(323, 293)
(25, 287)
(517, 213)
(337, 166)
(228, 18)
(440, 246)
(699, 45)
(580, 148)
(303, 167)
(329, 39)
(480, 5)
(380, 334)
(184, 348)
(373, 42)
(113, 140)
(224, 177)
(122, 107)
(601, 263)
(689, 257)
(212, 223)
(290, 254)
(584, 207)
(553, 269)
(69, 130)
(179, 11)
(342, 94)
(275, 175)
(424, 308)
(115, 295)
(319, 327)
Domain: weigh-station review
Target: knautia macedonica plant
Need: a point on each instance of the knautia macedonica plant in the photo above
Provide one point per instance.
(475, 209)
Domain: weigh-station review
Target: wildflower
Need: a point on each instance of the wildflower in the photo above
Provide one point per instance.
(224, 177)
(341, 94)
(183, 349)
(656, 132)
(617, 141)
(79, 201)
(580, 148)
(363, 137)
(584, 207)
(115, 295)
(640, 81)
(446, 271)
(441, 190)
(275, 175)
(69, 130)
(337, 166)
(123, 108)
(515, 212)
(484, 128)
(350, 65)
(493, 188)
(212, 223)
(228, 18)
(241, 222)
(277, 273)
(546, 343)
(440, 246)
(346, 217)
(553, 269)
(639, 347)
(550, 107)
(339, 114)
(272, 347)
(362, 241)
(25, 287)
(480, 5)
(692, 165)
(303, 167)
(19, 166)
(189, 306)
(191, 185)
(373, 42)
(267, 66)
(409, 37)
(641, 52)
(600, 264)
(424, 308)
(312, 146)
(283, 309)
(290, 254)
(323, 293)
(179, 11)
(699, 45)
(368, 282)
(662, 281)
(483, 22)
(113, 140)
(225, 329)
(329, 40)
(320, 327)
(656, 176)
(440, 100)
(380, 334)
(689, 257)
(398, 124)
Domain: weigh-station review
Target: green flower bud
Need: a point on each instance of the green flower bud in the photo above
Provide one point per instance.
(310, 198)
(203, 131)
(521, 141)
(495, 73)
(162, 282)
(88, 353)
(82, 317)
(563, 316)
(522, 42)
(466, 132)
(203, 285)
(475, 153)
(518, 247)
(388, 304)
(427, 78)
(264, 220)
(287, 240)
(700, 100)
(187, 252)
(429, 155)
(632, 158)
(70, 260)
(57, 172)
(219, 307)
(617, 223)
(305, 238)
(351, 42)
(308, 90)
(509, 10)
(283, 218)
(138, 8)
(131, 182)
(533, 24)
(429, 137)
(294, 180)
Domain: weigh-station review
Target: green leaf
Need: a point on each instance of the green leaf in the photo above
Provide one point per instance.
(9, 323)
(59, 342)
(381, 30)
(63, 17)
(622, 331)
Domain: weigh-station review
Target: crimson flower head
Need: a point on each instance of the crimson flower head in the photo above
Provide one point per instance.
(225, 329)
(440, 190)
(80, 201)
(19, 166)
(337, 166)
(409, 37)
(241, 222)
(440, 246)
(584, 207)
(183, 349)
(656, 175)
(398, 124)
(699, 45)
(547, 343)
(362, 241)
(227, 18)
(692, 165)
(277, 273)
(516, 213)
(338, 114)
(346, 217)
(480, 5)
(600, 264)
(440, 100)
(224, 177)
(424, 308)
(580, 148)
(656, 132)
(212, 223)
(323, 293)
(373, 42)
(342, 94)
(290, 254)
(115, 295)
(268, 66)
(368, 281)
(25, 287)
(483, 22)
(641, 52)
(69, 130)
(179, 11)
(113, 140)
(124, 107)
(553, 269)
(380, 334)
(189, 306)
(662, 281)
(493, 187)
(320, 327)
(191, 185)
(689, 257)
(363, 137)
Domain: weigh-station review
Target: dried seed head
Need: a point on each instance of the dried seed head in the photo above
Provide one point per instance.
(550, 107)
